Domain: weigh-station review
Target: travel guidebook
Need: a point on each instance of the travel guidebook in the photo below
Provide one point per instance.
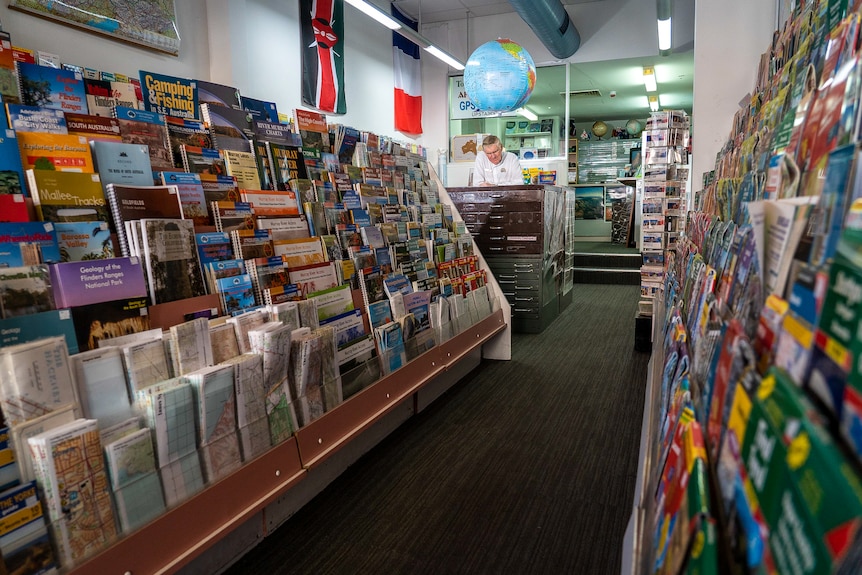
(170, 95)
(52, 88)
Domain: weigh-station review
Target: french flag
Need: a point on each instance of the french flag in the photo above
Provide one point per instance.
(408, 78)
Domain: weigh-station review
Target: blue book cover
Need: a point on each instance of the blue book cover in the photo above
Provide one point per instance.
(214, 247)
(148, 116)
(36, 119)
(30, 327)
(170, 95)
(237, 293)
(360, 217)
(79, 241)
(122, 163)
(267, 111)
(16, 236)
(11, 171)
(52, 88)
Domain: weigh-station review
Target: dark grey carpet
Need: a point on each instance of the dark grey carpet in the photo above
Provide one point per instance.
(526, 466)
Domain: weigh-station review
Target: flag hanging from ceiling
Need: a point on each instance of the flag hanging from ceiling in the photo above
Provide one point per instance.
(322, 37)
(408, 78)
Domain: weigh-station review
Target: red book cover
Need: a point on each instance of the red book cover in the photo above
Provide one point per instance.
(13, 208)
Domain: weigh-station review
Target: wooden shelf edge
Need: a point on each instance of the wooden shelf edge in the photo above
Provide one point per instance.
(182, 533)
(462, 344)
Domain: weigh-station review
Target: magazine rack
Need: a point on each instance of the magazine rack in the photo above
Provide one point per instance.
(184, 532)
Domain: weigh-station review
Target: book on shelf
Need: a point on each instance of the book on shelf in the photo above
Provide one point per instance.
(94, 127)
(191, 192)
(249, 244)
(170, 255)
(314, 277)
(285, 227)
(67, 196)
(276, 295)
(272, 341)
(36, 119)
(97, 322)
(271, 203)
(52, 88)
(199, 160)
(148, 128)
(170, 411)
(169, 95)
(28, 243)
(243, 166)
(219, 189)
(189, 132)
(214, 247)
(288, 163)
(24, 540)
(245, 322)
(129, 203)
(25, 290)
(9, 88)
(216, 402)
(104, 95)
(214, 94)
(300, 252)
(33, 326)
(13, 208)
(69, 467)
(313, 130)
(131, 467)
(264, 110)
(332, 302)
(11, 169)
(66, 153)
(146, 362)
(101, 383)
(231, 128)
(122, 163)
(266, 273)
(97, 281)
(236, 293)
(250, 392)
(230, 216)
(181, 478)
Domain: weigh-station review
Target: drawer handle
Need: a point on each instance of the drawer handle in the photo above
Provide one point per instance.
(501, 276)
(495, 249)
(524, 288)
(523, 299)
(492, 217)
(525, 266)
(497, 238)
(523, 310)
(495, 228)
(496, 196)
(498, 206)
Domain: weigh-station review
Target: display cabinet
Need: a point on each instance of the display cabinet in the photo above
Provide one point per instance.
(521, 231)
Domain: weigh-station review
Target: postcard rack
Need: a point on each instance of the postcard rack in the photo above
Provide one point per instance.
(186, 531)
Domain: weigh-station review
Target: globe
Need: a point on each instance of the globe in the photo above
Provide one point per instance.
(500, 76)
(634, 127)
(600, 129)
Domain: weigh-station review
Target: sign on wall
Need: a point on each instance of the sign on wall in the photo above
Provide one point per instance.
(461, 108)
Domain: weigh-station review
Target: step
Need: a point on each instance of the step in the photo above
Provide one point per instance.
(614, 276)
(594, 260)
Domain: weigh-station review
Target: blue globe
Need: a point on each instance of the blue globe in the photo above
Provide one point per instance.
(500, 76)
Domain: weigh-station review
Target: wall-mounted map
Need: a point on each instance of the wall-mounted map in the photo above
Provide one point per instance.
(150, 23)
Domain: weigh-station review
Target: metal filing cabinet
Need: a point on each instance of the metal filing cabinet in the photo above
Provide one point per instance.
(520, 230)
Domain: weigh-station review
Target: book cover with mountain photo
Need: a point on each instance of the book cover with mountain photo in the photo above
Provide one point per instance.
(170, 253)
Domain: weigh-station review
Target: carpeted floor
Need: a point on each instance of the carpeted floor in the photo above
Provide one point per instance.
(526, 466)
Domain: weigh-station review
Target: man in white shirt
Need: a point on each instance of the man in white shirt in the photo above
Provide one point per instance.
(496, 167)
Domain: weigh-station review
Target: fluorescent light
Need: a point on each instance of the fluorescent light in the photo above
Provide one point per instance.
(653, 103)
(664, 34)
(527, 114)
(649, 79)
(376, 13)
(438, 53)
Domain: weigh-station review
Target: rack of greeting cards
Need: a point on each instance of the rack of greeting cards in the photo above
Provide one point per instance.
(751, 443)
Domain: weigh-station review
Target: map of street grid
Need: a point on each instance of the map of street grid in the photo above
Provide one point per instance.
(151, 22)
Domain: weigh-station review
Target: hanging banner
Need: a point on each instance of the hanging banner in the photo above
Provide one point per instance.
(322, 27)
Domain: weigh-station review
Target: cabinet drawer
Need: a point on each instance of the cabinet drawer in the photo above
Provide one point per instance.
(508, 247)
(516, 277)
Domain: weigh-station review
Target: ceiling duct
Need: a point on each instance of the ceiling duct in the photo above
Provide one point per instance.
(551, 24)
(583, 94)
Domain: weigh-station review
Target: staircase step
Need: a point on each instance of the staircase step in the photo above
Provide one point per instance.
(624, 261)
(615, 276)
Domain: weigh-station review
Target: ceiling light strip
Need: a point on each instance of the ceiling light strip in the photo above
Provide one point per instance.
(382, 17)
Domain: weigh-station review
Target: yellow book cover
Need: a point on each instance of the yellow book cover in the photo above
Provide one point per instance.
(60, 152)
(242, 166)
(67, 196)
(300, 252)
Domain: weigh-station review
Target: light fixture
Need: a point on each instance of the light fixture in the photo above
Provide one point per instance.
(649, 79)
(664, 35)
(376, 13)
(406, 31)
(653, 103)
(441, 55)
(527, 114)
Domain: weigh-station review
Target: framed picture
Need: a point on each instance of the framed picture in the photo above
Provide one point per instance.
(589, 202)
(148, 23)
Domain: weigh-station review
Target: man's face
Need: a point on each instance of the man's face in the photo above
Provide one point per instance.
(494, 153)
